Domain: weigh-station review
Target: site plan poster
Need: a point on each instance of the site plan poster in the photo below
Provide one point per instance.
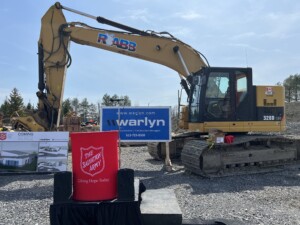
(138, 124)
(33, 151)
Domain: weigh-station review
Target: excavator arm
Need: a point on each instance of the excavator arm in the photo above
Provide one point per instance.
(54, 58)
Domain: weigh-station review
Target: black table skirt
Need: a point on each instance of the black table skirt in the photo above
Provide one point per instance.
(96, 213)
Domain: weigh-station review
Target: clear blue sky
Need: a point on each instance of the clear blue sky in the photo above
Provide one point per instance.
(264, 35)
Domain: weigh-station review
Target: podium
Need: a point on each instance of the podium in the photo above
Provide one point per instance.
(98, 193)
(66, 211)
(147, 207)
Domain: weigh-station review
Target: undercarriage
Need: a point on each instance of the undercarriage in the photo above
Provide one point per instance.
(247, 154)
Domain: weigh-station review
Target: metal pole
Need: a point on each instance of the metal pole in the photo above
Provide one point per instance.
(119, 142)
(168, 163)
(119, 129)
(106, 21)
(76, 11)
(176, 50)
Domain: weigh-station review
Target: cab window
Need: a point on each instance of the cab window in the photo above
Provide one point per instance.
(217, 97)
(241, 88)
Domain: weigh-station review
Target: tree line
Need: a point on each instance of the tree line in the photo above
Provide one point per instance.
(90, 111)
(292, 88)
(83, 108)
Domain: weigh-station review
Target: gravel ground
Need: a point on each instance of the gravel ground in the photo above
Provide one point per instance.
(270, 198)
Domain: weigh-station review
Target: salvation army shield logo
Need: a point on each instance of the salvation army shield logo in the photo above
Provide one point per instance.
(92, 160)
(2, 136)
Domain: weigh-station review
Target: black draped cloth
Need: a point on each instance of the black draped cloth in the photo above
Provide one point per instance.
(98, 213)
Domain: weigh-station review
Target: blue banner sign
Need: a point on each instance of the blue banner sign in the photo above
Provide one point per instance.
(138, 124)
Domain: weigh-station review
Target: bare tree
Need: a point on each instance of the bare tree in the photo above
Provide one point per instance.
(292, 88)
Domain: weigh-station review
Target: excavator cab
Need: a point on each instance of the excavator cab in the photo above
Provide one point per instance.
(226, 98)
(221, 94)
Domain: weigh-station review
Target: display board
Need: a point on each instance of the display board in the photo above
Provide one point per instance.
(137, 124)
(33, 151)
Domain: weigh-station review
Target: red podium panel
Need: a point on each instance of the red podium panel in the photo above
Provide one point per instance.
(95, 165)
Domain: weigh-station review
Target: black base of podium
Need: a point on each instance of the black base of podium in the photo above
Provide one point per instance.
(62, 187)
(96, 213)
(124, 210)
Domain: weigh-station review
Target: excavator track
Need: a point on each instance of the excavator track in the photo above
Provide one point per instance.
(158, 149)
(248, 154)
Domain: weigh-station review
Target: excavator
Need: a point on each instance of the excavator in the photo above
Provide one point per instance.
(219, 98)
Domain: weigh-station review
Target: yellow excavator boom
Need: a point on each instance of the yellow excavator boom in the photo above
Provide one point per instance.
(54, 58)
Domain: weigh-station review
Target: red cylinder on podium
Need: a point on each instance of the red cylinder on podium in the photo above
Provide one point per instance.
(95, 165)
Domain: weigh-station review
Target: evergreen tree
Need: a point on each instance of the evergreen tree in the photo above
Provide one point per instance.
(29, 106)
(15, 102)
(12, 104)
(84, 109)
(66, 107)
(4, 108)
